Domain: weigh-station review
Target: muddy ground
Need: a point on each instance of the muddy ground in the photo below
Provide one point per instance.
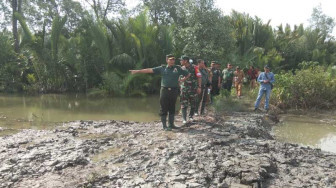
(236, 150)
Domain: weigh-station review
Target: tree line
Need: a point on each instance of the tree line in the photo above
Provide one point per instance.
(88, 46)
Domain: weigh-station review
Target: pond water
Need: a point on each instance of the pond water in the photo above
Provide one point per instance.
(315, 130)
(41, 112)
(44, 111)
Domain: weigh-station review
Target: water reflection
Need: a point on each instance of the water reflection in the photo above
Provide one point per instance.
(39, 112)
(311, 130)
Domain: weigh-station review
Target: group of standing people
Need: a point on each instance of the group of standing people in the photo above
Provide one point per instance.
(236, 77)
(194, 82)
(265, 79)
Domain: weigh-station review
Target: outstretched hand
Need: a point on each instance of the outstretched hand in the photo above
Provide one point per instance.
(199, 90)
(133, 71)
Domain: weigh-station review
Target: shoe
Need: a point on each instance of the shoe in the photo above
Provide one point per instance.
(195, 114)
(168, 129)
(256, 109)
(173, 127)
(191, 119)
(184, 122)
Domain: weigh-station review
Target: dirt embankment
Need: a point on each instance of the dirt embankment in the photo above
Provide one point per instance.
(231, 151)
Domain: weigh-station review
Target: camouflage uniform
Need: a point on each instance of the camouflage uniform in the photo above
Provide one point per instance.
(189, 91)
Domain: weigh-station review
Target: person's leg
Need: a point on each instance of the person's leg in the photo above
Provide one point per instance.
(214, 90)
(184, 105)
(164, 106)
(240, 85)
(237, 89)
(198, 100)
(254, 84)
(229, 86)
(260, 94)
(267, 98)
(192, 100)
(204, 98)
(226, 87)
(171, 109)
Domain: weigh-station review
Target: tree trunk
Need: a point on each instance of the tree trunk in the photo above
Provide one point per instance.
(15, 28)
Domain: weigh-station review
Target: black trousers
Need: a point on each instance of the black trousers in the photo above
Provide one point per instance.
(214, 89)
(202, 99)
(227, 85)
(168, 98)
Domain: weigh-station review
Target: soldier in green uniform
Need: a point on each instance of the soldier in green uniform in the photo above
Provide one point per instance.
(169, 88)
(206, 80)
(228, 77)
(216, 79)
(189, 89)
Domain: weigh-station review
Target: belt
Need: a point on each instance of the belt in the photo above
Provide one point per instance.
(169, 88)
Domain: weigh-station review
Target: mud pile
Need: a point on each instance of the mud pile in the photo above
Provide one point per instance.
(233, 151)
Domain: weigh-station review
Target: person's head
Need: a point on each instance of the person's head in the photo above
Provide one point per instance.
(229, 66)
(251, 67)
(266, 68)
(170, 59)
(213, 64)
(237, 68)
(217, 65)
(200, 63)
(184, 60)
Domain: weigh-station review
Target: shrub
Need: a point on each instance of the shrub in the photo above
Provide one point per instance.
(308, 88)
(225, 102)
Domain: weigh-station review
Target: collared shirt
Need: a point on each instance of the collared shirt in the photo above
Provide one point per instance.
(170, 75)
(205, 76)
(239, 76)
(216, 73)
(228, 74)
(252, 73)
(266, 76)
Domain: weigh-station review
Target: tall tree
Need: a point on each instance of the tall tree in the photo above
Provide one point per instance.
(16, 8)
(104, 7)
(325, 24)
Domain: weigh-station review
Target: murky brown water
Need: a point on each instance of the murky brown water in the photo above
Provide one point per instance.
(41, 112)
(316, 130)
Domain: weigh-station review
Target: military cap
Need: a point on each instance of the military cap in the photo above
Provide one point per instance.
(170, 56)
(184, 57)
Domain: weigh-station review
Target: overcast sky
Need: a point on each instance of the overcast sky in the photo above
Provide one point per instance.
(278, 11)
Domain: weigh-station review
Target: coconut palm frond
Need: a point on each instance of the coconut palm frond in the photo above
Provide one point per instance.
(122, 61)
(28, 34)
(57, 25)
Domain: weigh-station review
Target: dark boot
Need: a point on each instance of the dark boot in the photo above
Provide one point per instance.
(171, 121)
(164, 121)
(191, 114)
(184, 114)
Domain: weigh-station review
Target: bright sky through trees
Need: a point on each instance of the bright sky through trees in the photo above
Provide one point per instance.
(284, 11)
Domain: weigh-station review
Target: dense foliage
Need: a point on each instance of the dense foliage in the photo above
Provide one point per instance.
(68, 46)
(313, 87)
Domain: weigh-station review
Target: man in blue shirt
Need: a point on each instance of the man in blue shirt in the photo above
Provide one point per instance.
(266, 80)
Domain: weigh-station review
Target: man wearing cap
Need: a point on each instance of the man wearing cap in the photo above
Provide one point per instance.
(266, 80)
(227, 77)
(216, 79)
(189, 88)
(169, 88)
